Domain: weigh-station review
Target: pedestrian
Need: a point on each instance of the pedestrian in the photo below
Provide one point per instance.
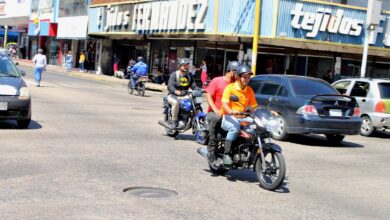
(82, 61)
(328, 77)
(39, 61)
(203, 75)
(69, 61)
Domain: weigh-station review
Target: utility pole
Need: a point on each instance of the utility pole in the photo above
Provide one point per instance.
(256, 36)
(5, 36)
(373, 18)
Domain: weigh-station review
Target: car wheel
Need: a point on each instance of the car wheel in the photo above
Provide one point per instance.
(335, 138)
(281, 132)
(23, 124)
(367, 128)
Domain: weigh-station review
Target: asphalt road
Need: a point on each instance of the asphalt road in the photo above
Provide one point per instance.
(90, 140)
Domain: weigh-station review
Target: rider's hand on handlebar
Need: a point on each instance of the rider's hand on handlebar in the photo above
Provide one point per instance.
(235, 112)
(177, 92)
(274, 113)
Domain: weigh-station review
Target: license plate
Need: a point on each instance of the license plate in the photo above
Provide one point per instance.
(3, 106)
(335, 112)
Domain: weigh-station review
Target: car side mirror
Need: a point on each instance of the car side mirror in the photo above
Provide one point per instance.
(22, 72)
(234, 98)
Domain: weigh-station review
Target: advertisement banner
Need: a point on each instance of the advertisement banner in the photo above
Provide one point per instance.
(72, 27)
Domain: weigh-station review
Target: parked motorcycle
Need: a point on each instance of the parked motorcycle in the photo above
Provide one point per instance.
(253, 147)
(191, 115)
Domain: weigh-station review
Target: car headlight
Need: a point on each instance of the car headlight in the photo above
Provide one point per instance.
(24, 93)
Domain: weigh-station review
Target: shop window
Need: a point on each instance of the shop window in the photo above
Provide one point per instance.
(360, 89)
(73, 8)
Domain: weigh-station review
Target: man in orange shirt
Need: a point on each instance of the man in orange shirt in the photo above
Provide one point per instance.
(231, 119)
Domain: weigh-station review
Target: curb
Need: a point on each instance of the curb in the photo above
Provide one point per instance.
(92, 76)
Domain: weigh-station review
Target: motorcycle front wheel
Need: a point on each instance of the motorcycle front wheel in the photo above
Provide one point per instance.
(201, 135)
(170, 132)
(272, 175)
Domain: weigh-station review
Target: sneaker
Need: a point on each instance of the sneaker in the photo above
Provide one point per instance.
(227, 160)
(211, 155)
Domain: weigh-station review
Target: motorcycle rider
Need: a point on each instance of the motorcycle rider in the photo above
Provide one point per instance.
(179, 81)
(231, 118)
(214, 93)
(140, 69)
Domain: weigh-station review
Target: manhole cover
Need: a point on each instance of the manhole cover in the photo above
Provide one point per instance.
(151, 192)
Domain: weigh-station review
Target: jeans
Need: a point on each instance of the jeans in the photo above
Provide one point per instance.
(214, 122)
(81, 66)
(68, 66)
(134, 79)
(38, 74)
(232, 125)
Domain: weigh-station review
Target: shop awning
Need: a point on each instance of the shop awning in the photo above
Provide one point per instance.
(10, 33)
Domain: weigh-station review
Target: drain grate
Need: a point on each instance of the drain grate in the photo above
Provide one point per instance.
(151, 192)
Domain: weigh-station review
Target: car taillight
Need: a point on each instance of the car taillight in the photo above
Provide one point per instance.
(380, 107)
(356, 112)
(307, 110)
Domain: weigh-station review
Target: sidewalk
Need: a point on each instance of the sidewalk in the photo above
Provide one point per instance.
(91, 76)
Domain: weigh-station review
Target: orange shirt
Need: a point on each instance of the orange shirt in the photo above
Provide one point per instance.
(246, 97)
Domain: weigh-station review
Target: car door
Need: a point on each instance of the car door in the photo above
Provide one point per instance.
(360, 90)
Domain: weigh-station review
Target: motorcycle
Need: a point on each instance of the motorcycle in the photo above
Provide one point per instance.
(191, 115)
(140, 86)
(253, 147)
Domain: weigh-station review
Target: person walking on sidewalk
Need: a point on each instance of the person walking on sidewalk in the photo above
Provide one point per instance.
(69, 61)
(203, 75)
(81, 61)
(39, 61)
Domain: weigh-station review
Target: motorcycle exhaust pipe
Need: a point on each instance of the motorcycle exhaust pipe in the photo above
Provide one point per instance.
(202, 151)
(164, 124)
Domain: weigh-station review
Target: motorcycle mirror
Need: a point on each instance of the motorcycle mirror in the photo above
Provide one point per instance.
(234, 98)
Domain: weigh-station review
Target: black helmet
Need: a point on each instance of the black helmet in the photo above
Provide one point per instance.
(182, 61)
(140, 59)
(234, 65)
(244, 69)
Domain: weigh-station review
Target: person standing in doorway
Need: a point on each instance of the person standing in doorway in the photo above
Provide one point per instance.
(203, 75)
(82, 61)
(40, 62)
(69, 61)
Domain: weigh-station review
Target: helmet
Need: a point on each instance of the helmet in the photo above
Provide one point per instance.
(244, 69)
(234, 65)
(140, 59)
(182, 61)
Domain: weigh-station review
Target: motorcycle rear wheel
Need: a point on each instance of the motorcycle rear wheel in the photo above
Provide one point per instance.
(274, 173)
(218, 170)
(129, 88)
(141, 88)
(168, 119)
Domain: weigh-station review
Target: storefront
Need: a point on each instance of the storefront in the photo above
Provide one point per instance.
(296, 37)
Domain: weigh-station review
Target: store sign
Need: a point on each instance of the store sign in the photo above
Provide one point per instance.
(116, 18)
(324, 21)
(72, 27)
(170, 15)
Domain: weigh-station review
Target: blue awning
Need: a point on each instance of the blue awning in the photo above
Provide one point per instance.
(10, 33)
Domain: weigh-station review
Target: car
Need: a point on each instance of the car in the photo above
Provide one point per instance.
(15, 99)
(373, 96)
(307, 105)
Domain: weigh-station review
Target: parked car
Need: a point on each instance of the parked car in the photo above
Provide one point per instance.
(307, 105)
(15, 100)
(373, 96)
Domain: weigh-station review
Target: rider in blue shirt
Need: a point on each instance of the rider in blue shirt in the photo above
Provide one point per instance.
(139, 69)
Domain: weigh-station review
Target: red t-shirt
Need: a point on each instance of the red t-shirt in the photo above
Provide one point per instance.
(215, 89)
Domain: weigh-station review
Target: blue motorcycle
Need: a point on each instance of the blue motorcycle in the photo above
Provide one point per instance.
(191, 115)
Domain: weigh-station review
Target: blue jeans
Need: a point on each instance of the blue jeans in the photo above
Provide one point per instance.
(81, 66)
(68, 66)
(38, 74)
(134, 79)
(232, 125)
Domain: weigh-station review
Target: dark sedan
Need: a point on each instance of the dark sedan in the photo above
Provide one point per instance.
(15, 100)
(307, 105)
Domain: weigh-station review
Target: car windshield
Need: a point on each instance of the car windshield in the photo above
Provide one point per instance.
(305, 87)
(7, 68)
(384, 88)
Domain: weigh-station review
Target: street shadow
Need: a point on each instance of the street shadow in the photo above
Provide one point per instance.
(381, 134)
(12, 124)
(319, 141)
(185, 137)
(248, 176)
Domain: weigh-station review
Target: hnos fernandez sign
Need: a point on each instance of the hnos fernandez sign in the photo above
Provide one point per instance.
(170, 15)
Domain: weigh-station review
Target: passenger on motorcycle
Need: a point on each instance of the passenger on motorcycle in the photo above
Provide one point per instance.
(231, 118)
(214, 93)
(140, 69)
(179, 81)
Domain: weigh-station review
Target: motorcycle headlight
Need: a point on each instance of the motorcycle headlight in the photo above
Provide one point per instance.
(24, 93)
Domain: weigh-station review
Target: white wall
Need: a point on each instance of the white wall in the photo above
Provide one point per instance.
(15, 9)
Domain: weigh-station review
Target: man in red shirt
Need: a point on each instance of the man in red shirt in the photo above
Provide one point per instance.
(214, 93)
